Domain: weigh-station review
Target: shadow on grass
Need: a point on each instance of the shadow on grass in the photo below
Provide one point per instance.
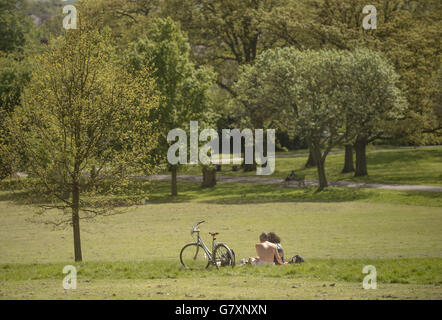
(159, 192)
(21, 197)
(247, 193)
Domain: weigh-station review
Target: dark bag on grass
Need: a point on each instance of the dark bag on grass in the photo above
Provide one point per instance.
(297, 259)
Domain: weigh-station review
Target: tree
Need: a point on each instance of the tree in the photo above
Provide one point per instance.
(184, 89)
(408, 33)
(320, 93)
(83, 127)
(14, 75)
(348, 159)
(224, 33)
(302, 87)
(265, 90)
(14, 25)
(376, 102)
(328, 96)
(265, 95)
(436, 98)
(18, 43)
(294, 23)
(128, 20)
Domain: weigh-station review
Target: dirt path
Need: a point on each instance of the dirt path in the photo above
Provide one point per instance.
(349, 184)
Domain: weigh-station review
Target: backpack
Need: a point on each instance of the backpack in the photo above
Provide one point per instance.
(297, 259)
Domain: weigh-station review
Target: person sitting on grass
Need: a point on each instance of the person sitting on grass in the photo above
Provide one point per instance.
(266, 251)
(273, 238)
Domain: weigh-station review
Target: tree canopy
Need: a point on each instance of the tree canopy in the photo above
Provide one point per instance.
(314, 90)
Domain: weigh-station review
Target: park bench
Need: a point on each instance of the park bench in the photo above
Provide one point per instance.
(292, 178)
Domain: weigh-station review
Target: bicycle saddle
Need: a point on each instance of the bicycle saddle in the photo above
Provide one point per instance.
(213, 233)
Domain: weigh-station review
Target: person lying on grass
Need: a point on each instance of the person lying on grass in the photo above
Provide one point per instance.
(266, 251)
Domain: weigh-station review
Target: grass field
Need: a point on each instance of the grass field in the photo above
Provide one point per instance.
(403, 166)
(135, 254)
(319, 278)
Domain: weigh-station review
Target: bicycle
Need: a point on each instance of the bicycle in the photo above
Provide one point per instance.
(196, 255)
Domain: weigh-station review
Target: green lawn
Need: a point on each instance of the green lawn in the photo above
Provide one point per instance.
(402, 166)
(237, 287)
(251, 193)
(135, 254)
(318, 278)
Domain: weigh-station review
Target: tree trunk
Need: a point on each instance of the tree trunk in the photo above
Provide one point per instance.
(249, 167)
(320, 165)
(209, 177)
(174, 181)
(310, 161)
(361, 158)
(321, 174)
(76, 222)
(348, 164)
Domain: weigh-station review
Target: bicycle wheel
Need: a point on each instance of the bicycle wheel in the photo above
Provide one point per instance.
(192, 256)
(223, 256)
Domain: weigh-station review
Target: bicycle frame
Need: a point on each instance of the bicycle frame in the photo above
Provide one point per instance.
(203, 245)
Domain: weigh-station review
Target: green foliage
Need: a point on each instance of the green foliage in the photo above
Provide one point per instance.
(408, 33)
(229, 34)
(374, 101)
(125, 19)
(436, 98)
(183, 87)
(266, 90)
(83, 119)
(224, 34)
(18, 43)
(13, 26)
(315, 89)
(14, 75)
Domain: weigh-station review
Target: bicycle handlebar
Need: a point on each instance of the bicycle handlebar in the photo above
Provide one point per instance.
(196, 225)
